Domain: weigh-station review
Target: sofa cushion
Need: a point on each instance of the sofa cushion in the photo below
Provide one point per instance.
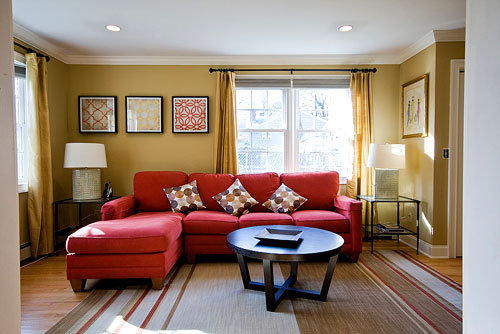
(185, 198)
(284, 200)
(146, 232)
(209, 222)
(210, 185)
(148, 189)
(319, 188)
(264, 218)
(235, 200)
(324, 219)
(261, 186)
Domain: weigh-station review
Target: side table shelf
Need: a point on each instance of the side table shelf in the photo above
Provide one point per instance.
(70, 229)
(372, 231)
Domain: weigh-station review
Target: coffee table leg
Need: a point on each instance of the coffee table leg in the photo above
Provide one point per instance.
(245, 275)
(293, 271)
(328, 277)
(269, 285)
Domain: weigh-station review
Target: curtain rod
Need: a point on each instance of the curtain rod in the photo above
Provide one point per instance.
(291, 70)
(29, 50)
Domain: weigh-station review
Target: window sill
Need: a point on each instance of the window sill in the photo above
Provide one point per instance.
(22, 188)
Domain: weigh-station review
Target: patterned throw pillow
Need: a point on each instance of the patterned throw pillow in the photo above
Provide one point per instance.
(235, 200)
(185, 198)
(284, 200)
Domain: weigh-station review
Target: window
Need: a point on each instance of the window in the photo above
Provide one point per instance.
(288, 124)
(21, 122)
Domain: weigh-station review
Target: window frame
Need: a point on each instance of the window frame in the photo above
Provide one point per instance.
(292, 131)
(22, 184)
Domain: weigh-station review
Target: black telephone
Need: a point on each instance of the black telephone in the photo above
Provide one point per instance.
(108, 191)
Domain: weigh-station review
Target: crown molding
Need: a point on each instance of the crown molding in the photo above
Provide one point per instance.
(232, 60)
(421, 44)
(37, 42)
(456, 35)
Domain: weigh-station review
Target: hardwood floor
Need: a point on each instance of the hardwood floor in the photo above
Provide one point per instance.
(46, 295)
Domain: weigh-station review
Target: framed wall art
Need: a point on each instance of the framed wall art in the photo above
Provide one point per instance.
(190, 114)
(144, 114)
(97, 114)
(416, 107)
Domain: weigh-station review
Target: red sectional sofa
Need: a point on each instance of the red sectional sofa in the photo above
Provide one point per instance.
(140, 237)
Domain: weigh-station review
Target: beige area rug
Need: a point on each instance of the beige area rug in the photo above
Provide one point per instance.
(387, 292)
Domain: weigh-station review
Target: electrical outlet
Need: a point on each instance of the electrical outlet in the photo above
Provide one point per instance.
(410, 215)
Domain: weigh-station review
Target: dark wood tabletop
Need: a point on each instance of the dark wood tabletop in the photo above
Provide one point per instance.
(314, 243)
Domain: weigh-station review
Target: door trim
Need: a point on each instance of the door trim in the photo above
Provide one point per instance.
(457, 65)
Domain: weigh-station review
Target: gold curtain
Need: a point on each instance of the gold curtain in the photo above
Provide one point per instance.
(40, 166)
(225, 157)
(362, 106)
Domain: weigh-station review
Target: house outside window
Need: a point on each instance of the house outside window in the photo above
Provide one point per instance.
(295, 124)
(21, 121)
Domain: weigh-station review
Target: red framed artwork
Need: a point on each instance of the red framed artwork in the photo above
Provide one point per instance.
(97, 114)
(190, 114)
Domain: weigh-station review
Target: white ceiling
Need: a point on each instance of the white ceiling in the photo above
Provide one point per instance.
(228, 28)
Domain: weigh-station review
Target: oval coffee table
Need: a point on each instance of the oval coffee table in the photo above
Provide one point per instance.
(314, 244)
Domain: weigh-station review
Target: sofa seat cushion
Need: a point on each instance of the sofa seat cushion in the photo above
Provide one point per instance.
(265, 218)
(324, 219)
(146, 232)
(209, 222)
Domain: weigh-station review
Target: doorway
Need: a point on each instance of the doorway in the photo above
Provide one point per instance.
(455, 163)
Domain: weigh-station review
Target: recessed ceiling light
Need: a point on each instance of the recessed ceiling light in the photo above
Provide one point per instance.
(112, 27)
(345, 28)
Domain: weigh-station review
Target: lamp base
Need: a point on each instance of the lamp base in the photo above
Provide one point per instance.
(386, 183)
(86, 184)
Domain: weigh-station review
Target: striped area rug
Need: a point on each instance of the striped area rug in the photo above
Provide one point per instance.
(385, 292)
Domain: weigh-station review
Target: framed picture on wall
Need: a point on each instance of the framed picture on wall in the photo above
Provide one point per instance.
(415, 107)
(97, 114)
(144, 114)
(190, 114)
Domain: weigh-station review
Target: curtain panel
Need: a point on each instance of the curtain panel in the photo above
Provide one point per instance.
(362, 106)
(40, 166)
(225, 156)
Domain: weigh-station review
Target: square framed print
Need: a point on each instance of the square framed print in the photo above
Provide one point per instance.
(190, 114)
(97, 114)
(415, 107)
(144, 114)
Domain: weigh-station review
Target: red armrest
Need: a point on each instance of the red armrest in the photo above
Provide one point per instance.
(119, 208)
(346, 203)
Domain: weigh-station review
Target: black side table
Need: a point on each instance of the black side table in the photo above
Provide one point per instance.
(405, 231)
(68, 230)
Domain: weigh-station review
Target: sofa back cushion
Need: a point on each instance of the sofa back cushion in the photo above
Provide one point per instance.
(210, 185)
(319, 188)
(148, 189)
(261, 186)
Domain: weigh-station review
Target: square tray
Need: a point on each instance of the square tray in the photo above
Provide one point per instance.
(274, 234)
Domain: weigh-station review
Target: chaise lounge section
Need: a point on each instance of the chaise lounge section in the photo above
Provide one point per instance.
(140, 237)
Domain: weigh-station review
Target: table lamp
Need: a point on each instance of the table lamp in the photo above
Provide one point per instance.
(386, 159)
(85, 159)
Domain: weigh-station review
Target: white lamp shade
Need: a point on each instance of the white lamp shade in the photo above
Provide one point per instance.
(85, 155)
(386, 156)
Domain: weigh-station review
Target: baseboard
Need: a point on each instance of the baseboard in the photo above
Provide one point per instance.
(25, 251)
(432, 251)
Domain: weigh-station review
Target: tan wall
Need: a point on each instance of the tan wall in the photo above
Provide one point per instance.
(426, 174)
(417, 179)
(444, 53)
(128, 153)
(58, 77)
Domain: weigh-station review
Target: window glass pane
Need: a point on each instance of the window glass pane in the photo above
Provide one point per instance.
(325, 151)
(260, 108)
(21, 126)
(260, 152)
